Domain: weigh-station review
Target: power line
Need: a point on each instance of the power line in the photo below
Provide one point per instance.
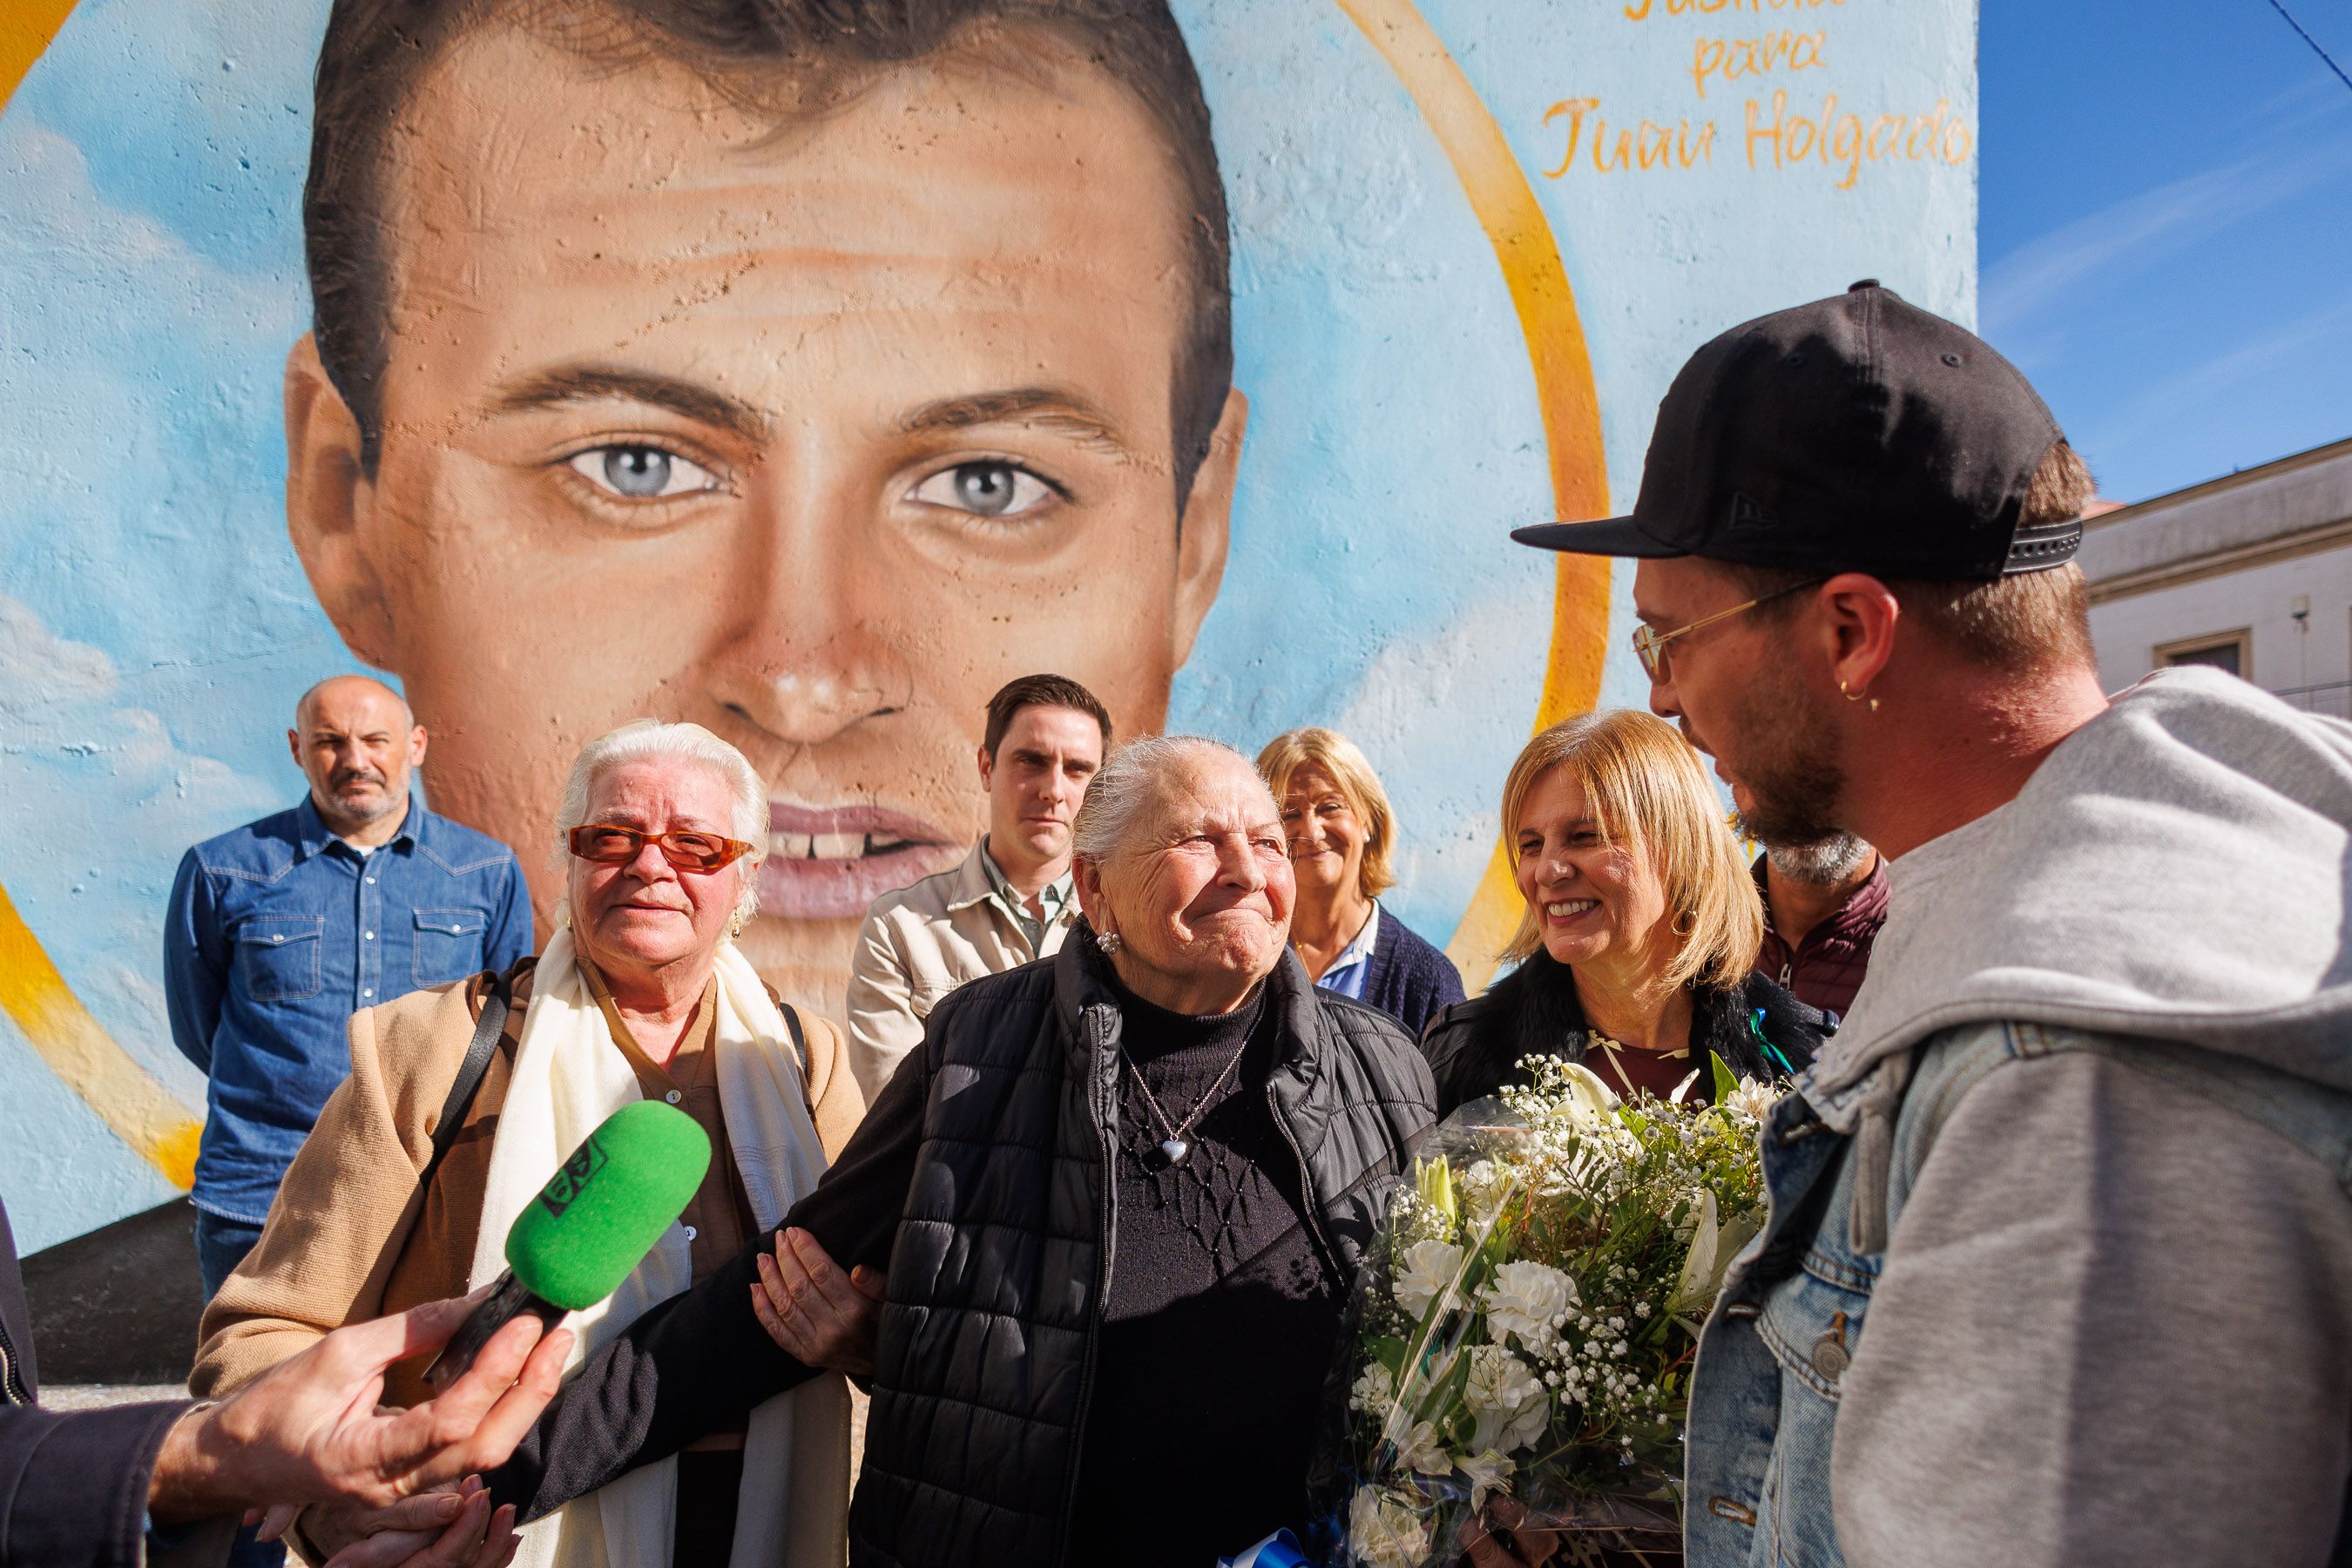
(2278, 6)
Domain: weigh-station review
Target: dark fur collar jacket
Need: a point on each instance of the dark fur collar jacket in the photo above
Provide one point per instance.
(1473, 1047)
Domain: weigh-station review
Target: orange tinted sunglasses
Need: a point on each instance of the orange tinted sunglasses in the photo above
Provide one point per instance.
(610, 844)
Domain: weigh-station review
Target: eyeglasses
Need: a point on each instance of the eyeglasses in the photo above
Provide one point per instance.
(610, 844)
(1652, 644)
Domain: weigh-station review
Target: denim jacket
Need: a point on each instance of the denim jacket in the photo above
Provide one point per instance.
(1765, 1396)
(278, 932)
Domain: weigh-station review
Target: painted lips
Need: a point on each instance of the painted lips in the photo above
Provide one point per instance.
(830, 863)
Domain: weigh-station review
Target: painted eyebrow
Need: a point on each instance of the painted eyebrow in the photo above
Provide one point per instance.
(1050, 406)
(591, 384)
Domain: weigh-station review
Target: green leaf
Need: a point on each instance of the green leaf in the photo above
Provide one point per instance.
(1727, 1082)
(1390, 1352)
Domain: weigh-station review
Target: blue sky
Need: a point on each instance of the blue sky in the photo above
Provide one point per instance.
(2164, 228)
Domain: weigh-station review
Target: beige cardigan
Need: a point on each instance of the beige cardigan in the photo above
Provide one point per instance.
(921, 942)
(350, 1237)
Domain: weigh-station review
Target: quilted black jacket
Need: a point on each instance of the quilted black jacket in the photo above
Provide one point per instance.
(1002, 1258)
(998, 1265)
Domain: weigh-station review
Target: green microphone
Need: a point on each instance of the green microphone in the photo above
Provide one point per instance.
(597, 1216)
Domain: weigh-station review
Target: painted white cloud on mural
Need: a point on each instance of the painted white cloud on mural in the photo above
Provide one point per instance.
(120, 802)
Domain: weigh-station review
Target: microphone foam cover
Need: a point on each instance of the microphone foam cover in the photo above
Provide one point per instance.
(608, 1203)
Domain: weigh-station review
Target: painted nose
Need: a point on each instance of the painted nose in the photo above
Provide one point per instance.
(803, 656)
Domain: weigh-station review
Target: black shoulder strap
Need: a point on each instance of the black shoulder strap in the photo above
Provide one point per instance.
(470, 1072)
(800, 1041)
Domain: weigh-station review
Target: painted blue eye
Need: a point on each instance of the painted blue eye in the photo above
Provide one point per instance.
(643, 473)
(985, 488)
(636, 471)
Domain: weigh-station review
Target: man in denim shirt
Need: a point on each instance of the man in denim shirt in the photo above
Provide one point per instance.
(281, 929)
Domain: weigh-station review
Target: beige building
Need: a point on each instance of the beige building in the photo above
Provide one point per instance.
(2252, 572)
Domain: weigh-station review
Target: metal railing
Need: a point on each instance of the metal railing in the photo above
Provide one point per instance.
(2333, 698)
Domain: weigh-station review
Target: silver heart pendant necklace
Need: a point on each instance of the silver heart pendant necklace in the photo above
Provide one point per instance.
(1175, 1147)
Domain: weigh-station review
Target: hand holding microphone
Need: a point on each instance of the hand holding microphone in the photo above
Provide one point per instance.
(573, 1246)
(590, 1226)
(309, 1429)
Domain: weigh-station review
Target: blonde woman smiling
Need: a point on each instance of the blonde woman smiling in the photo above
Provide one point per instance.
(1641, 927)
(1341, 832)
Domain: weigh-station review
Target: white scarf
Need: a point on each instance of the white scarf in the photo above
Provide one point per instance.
(568, 1077)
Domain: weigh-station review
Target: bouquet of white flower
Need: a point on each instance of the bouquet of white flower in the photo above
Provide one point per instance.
(1524, 1324)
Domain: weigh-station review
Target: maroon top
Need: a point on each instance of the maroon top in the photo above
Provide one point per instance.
(1826, 969)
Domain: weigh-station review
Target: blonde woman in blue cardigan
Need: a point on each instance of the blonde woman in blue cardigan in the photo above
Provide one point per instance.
(1342, 833)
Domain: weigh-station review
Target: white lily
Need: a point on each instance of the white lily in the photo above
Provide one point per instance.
(1424, 1451)
(1591, 1101)
(1487, 1474)
(1713, 1247)
(1507, 1398)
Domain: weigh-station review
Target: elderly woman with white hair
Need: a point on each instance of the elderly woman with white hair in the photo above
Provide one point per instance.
(1118, 1195)
(463, 1099)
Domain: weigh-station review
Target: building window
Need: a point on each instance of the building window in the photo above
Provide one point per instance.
(2232, 651)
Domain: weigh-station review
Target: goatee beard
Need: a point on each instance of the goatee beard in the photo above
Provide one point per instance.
(1824, 863)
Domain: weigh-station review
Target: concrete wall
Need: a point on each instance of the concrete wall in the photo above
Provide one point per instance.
(2243, 552)
(2286, 653)
(1471, 243)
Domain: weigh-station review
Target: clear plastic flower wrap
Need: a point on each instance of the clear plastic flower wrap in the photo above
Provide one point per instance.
(1524, 1325)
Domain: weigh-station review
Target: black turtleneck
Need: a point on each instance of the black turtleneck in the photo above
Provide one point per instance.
(1223, 1315)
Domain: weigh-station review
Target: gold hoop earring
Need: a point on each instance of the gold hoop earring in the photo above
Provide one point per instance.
(1684, 921)
(1856, 696)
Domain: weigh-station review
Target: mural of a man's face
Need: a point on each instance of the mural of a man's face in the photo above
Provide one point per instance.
(814, 428)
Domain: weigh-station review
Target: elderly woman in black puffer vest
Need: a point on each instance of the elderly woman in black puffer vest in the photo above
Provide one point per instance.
(1119, 1195)
(1641, 928)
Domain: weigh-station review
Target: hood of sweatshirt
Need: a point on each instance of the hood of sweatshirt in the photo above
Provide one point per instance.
(2180, 868)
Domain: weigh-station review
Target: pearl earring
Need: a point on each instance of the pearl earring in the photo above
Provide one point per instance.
(1110, 942)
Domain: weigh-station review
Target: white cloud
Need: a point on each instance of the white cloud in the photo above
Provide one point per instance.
(2172, 400)
(2134, 235)
(105, 802)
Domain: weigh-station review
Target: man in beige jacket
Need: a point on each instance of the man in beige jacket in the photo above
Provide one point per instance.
(1009, 902)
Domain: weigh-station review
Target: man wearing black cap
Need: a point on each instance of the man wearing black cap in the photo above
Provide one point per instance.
(2059, 1266)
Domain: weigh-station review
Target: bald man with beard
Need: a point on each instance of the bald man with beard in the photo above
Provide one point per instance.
(278, 932)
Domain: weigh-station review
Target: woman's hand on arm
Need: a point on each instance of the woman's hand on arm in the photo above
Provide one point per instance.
(453, 1529)
(816, 1313)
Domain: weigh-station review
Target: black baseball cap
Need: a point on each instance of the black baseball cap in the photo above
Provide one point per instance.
(1859, 433)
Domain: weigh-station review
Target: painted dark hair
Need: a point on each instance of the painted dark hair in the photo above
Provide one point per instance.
(377, 51)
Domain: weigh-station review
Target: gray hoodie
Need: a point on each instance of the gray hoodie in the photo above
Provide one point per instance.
(2115, 1324)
